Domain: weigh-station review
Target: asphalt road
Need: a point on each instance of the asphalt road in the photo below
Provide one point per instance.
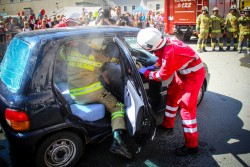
(223, 124)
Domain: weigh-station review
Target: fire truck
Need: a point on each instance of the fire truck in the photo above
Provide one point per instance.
(180, 15)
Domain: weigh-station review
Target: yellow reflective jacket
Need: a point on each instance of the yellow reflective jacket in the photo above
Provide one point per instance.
(217, 23)
(203, 22)
(244, 25)
(232, 24)
(84, 70)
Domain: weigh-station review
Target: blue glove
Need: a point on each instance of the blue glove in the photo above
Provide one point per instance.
(151, 67)
(142, 70)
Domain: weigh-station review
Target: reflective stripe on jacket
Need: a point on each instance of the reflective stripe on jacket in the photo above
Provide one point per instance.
(85, 90)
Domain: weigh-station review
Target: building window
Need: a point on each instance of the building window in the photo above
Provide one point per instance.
(125, 8)
(133, 7)
(157, 6)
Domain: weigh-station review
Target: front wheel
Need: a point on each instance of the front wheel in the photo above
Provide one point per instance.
(61, 149)
(201, 94)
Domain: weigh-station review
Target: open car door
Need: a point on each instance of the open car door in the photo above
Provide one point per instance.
(140, 119)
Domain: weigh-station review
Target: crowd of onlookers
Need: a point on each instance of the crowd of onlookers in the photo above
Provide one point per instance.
(12, 25)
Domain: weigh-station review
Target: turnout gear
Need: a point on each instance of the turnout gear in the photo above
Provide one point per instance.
(217, 29)
(151, 39)
(232, 27)
(119, 146)
(244, 27)
(203, 24)
(178, 59)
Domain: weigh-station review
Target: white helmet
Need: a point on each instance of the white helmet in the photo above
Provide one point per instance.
(97, 43)
(151, 39)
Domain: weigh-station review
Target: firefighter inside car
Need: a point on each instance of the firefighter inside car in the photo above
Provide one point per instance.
(86, 59)
(178, 59)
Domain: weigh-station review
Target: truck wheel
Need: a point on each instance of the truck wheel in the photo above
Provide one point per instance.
(180, 37)
(201, 94)
(61, 149)
(187, 37)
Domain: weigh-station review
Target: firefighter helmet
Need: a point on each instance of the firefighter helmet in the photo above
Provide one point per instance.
(247, 9)
(97, 43)
(151, 39)
(215, 8)
(233, 7)
(205, 8)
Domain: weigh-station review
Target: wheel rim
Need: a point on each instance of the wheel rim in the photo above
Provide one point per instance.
(59, 153)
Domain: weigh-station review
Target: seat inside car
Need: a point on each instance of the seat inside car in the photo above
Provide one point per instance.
(87, 112)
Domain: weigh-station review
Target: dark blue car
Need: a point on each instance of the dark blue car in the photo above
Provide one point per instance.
(43, 125)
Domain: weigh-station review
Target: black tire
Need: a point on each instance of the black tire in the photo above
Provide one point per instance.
(62, 149)
(201, 94)
(180, 37)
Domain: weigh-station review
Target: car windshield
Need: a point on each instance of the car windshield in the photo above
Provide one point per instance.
(14, 63)
(132, 42)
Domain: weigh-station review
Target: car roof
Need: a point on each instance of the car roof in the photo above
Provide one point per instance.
(64, 32)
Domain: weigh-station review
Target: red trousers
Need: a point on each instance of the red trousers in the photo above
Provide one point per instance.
(183, 93)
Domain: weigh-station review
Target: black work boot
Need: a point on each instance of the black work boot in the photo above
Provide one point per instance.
(213, 48)
(204, 49)
(235, 49)
(118, 146)
(184, 150)
(228, 48)
(221, 49)
(162, 129)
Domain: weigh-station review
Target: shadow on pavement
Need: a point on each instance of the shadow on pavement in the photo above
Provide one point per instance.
(221, 130)
(245, 61)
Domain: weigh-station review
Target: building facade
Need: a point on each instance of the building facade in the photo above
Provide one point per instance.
(12, 7)
(130, 5)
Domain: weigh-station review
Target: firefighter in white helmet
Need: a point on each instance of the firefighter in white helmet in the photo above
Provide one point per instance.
(217, 29)
(179, 60)
(203, 27)
(87, 62)
(232, 27)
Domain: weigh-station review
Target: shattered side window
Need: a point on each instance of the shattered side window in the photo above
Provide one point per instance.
(14, 63)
